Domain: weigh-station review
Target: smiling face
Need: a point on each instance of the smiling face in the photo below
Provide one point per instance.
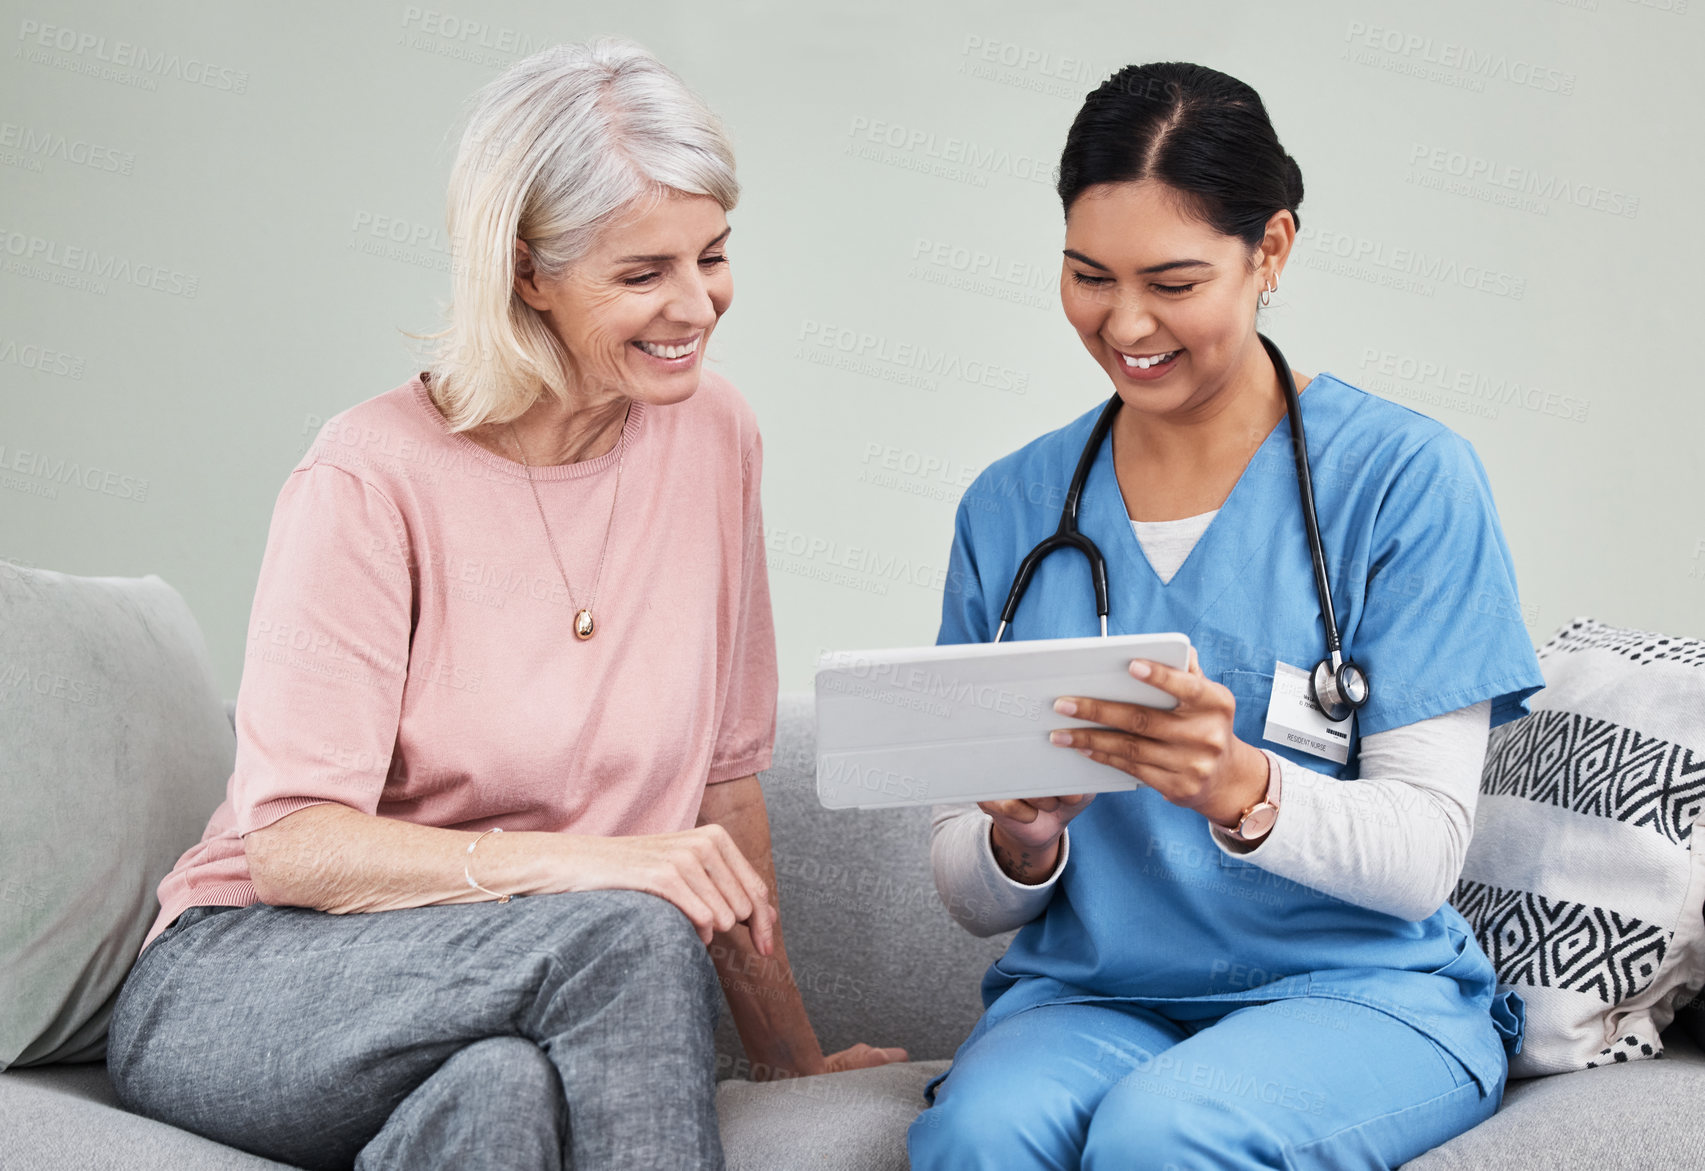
(1164, 302)
(636, 311)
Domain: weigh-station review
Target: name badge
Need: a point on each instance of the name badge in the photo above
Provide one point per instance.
(1293, 718)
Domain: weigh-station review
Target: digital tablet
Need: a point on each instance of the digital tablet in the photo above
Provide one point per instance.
(939, 724)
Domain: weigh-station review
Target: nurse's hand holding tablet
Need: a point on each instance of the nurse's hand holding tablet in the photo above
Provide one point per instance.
(1189, 755)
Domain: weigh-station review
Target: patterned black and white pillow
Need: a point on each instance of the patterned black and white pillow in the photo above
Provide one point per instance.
(1582, 882)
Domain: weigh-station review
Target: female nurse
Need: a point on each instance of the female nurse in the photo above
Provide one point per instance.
(1247, 960)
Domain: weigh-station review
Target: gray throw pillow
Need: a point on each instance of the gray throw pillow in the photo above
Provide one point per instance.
(1585, 880)
(114, 752)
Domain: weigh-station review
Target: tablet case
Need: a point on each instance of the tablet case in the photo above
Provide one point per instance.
(970, 722)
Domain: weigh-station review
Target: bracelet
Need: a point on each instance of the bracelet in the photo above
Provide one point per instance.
(470, 877)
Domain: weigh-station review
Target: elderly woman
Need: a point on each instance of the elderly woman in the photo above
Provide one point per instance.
(504, 702)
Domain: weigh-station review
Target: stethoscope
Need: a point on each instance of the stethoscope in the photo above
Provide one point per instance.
(1337, 684)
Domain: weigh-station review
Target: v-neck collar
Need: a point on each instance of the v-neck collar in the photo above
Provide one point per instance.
(1105, 505)
(1169, 535)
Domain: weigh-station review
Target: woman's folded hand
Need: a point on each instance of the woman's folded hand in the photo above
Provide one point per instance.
(700, 870)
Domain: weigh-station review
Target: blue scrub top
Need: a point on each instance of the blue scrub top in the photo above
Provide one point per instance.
(1148, 908)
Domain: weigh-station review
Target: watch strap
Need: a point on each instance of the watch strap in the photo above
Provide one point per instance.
(1275, 781)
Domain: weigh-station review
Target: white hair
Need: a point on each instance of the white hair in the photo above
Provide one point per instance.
(554, 150)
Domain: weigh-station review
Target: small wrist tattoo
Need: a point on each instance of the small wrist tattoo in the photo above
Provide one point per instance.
(1021, 864)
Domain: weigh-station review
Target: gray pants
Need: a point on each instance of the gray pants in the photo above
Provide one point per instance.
(569, 1031)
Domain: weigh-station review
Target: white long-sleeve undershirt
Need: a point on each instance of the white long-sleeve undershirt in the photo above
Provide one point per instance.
(1393, 840)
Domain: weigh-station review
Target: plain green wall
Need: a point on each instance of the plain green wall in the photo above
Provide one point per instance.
(253, 151)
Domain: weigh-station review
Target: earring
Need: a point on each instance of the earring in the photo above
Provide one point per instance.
(1267, 293)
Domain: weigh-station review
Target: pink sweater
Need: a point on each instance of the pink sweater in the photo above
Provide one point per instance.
(411, 651)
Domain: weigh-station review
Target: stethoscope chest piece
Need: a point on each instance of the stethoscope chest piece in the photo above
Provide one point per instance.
(1339, 690)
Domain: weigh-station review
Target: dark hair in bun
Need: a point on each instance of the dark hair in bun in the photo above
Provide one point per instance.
(1197, 130)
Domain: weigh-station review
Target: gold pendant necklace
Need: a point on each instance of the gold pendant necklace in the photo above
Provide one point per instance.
(584, 627)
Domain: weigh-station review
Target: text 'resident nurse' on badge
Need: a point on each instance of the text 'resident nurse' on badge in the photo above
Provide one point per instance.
(1294, 719)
